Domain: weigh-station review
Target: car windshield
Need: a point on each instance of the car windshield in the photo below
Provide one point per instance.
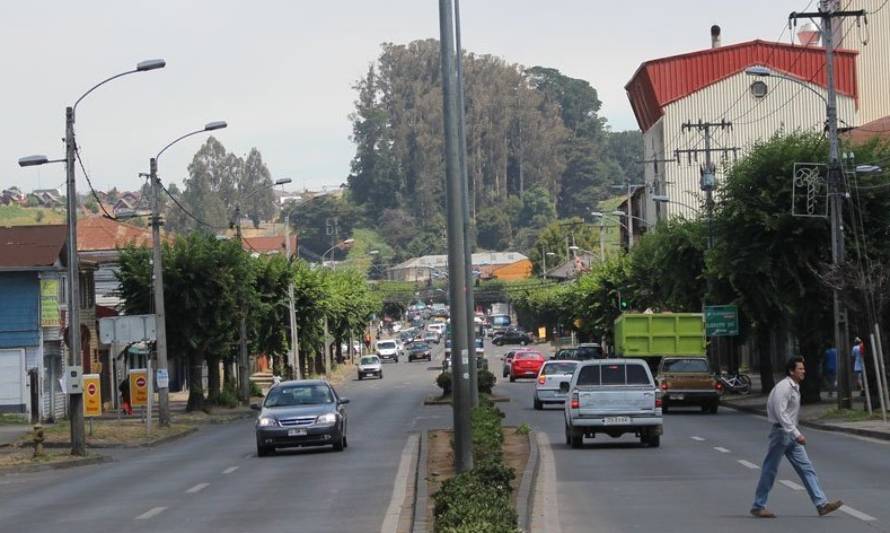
(686, 365)
(566, 353)
(588, 352)
(420, 346)
(309, 394)
(386, 345)
(369, 360)
(558, 368)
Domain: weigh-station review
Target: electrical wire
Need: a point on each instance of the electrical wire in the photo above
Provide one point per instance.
(187, 212)
(90, 183)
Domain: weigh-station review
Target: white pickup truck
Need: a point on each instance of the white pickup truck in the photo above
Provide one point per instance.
(612, 396)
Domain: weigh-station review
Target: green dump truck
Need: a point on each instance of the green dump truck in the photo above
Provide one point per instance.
(656, 335)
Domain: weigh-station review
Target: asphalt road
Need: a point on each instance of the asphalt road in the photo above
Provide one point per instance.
(214, 482)
(703, 476)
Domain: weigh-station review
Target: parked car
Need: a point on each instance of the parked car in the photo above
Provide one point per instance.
(689, 381)
(420, 350)
(512, 336)
(301, 413)
(612, 396)
(526, 365)
(370, 365)
(565, 354)
(388, 350)
(552, 374)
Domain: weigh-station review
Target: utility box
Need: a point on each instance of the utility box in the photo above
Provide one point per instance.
(74, 380)
(660, 334)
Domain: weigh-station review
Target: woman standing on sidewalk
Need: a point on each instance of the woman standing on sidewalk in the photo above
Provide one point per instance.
(783, 408)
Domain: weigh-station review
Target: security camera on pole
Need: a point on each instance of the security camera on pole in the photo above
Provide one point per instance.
(75, 395)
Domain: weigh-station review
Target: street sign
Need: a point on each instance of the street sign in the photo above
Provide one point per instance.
(721, 320)
(92, 395)
(127, 328)
(162, 378)
(138, 387)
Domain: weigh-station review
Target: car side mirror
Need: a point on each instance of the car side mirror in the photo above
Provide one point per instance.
(564, 387)
(344, 401)
(255, 406)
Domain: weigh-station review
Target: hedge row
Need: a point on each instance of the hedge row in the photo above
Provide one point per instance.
(478, 501)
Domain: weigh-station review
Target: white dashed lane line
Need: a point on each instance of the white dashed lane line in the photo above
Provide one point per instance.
(857, 514)
(790, 484)
(150, 513)
(697, 438)
(721, 449)
(748, 464)
(230, 469)
(197, 488)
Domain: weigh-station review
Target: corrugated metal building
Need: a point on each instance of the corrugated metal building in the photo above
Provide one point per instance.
(711, 85)
(872, 41)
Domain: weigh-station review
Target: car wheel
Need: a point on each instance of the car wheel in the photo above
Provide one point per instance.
(714, 407)
(263, 451)
(538, 405)
(512, 378)
(576, 439)
(522, 342)
(568, 436)
(380, 375)
(664, 408)
(654, 441)
(340, 444)
(359, 377)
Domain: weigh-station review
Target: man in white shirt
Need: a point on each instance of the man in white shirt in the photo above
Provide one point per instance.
(782, 408)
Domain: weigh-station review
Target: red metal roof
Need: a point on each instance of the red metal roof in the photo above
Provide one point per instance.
(100, 233)
(29, 247)
(876, 128)
(269, 245)
(659, 82)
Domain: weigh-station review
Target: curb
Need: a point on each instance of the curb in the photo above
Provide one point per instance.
(525, 495)
(421, 492)
(26, 469)
(880, 435)
(152, 444)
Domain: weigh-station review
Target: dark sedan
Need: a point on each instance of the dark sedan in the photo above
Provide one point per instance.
(420, 350)
(512, 336)
(301, 413)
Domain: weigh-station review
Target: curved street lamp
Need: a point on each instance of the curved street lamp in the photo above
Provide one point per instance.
(75, 400)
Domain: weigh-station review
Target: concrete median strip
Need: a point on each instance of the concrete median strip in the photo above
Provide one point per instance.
(545, 510)
(397, 505)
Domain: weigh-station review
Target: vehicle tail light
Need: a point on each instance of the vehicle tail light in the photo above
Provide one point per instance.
(575, 403)
(664, 385)
(542, 380)
(718, 386)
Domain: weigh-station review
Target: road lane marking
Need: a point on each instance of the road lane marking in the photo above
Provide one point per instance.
(400, 487)
(230, 469)
(721, 449)
(197, 488)
(857, 514)
(150, 513)
(790, 484)
(748, 464)
(545, 504)
(696, 437)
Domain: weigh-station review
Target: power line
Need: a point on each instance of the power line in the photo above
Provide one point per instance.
(90, 183)
(187, 212)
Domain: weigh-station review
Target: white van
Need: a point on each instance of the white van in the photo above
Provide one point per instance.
(438, 327)
(388, 349)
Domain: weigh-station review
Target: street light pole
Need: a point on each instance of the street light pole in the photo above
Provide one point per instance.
(292, 312)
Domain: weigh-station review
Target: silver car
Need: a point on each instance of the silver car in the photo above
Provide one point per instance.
(370, 365)
(547, 385)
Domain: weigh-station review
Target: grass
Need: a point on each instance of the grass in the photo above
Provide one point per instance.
(16, 215)
(113, 432)
(25, 456)
(8, 419)
(850, 415)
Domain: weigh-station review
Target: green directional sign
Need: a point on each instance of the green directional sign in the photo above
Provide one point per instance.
(721, 320)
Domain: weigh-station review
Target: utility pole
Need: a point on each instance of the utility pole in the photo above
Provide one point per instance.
(457, 272)
(294, 334)
(75, 358)
(465, 206)
(828, 13)
(243, 357)
(158, 274)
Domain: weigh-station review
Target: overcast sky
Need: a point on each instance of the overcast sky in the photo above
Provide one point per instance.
(280, 72)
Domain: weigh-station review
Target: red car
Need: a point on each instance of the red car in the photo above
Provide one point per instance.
(526, 365)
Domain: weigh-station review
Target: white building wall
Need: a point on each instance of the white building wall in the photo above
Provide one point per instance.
(788, 106)
(873, 62)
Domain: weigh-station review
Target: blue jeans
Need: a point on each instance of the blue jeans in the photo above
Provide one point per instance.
(781, 443)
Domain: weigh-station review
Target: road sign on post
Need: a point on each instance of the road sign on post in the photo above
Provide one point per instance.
(721, 321)
(92, 395)
(138, 387)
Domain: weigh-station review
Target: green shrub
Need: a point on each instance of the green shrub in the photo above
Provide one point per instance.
(255, 389)
(444, 382)
(229, 395)
(485, 380)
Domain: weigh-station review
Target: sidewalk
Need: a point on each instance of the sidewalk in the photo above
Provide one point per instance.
(823, 415)
(10, 433)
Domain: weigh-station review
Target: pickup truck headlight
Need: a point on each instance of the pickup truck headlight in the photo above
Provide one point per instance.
(265, 422)
(327, 419)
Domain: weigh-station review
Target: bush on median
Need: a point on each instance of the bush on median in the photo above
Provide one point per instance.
(485, 380)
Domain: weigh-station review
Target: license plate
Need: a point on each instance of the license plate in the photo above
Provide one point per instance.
(296, 432)
(678, 397)
(616, 420)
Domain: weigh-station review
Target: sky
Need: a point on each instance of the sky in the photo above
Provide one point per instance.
(281, 72)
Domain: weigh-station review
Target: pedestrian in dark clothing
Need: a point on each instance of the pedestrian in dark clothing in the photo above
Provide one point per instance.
(124, 387)
(782, 408)
(829, 370)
